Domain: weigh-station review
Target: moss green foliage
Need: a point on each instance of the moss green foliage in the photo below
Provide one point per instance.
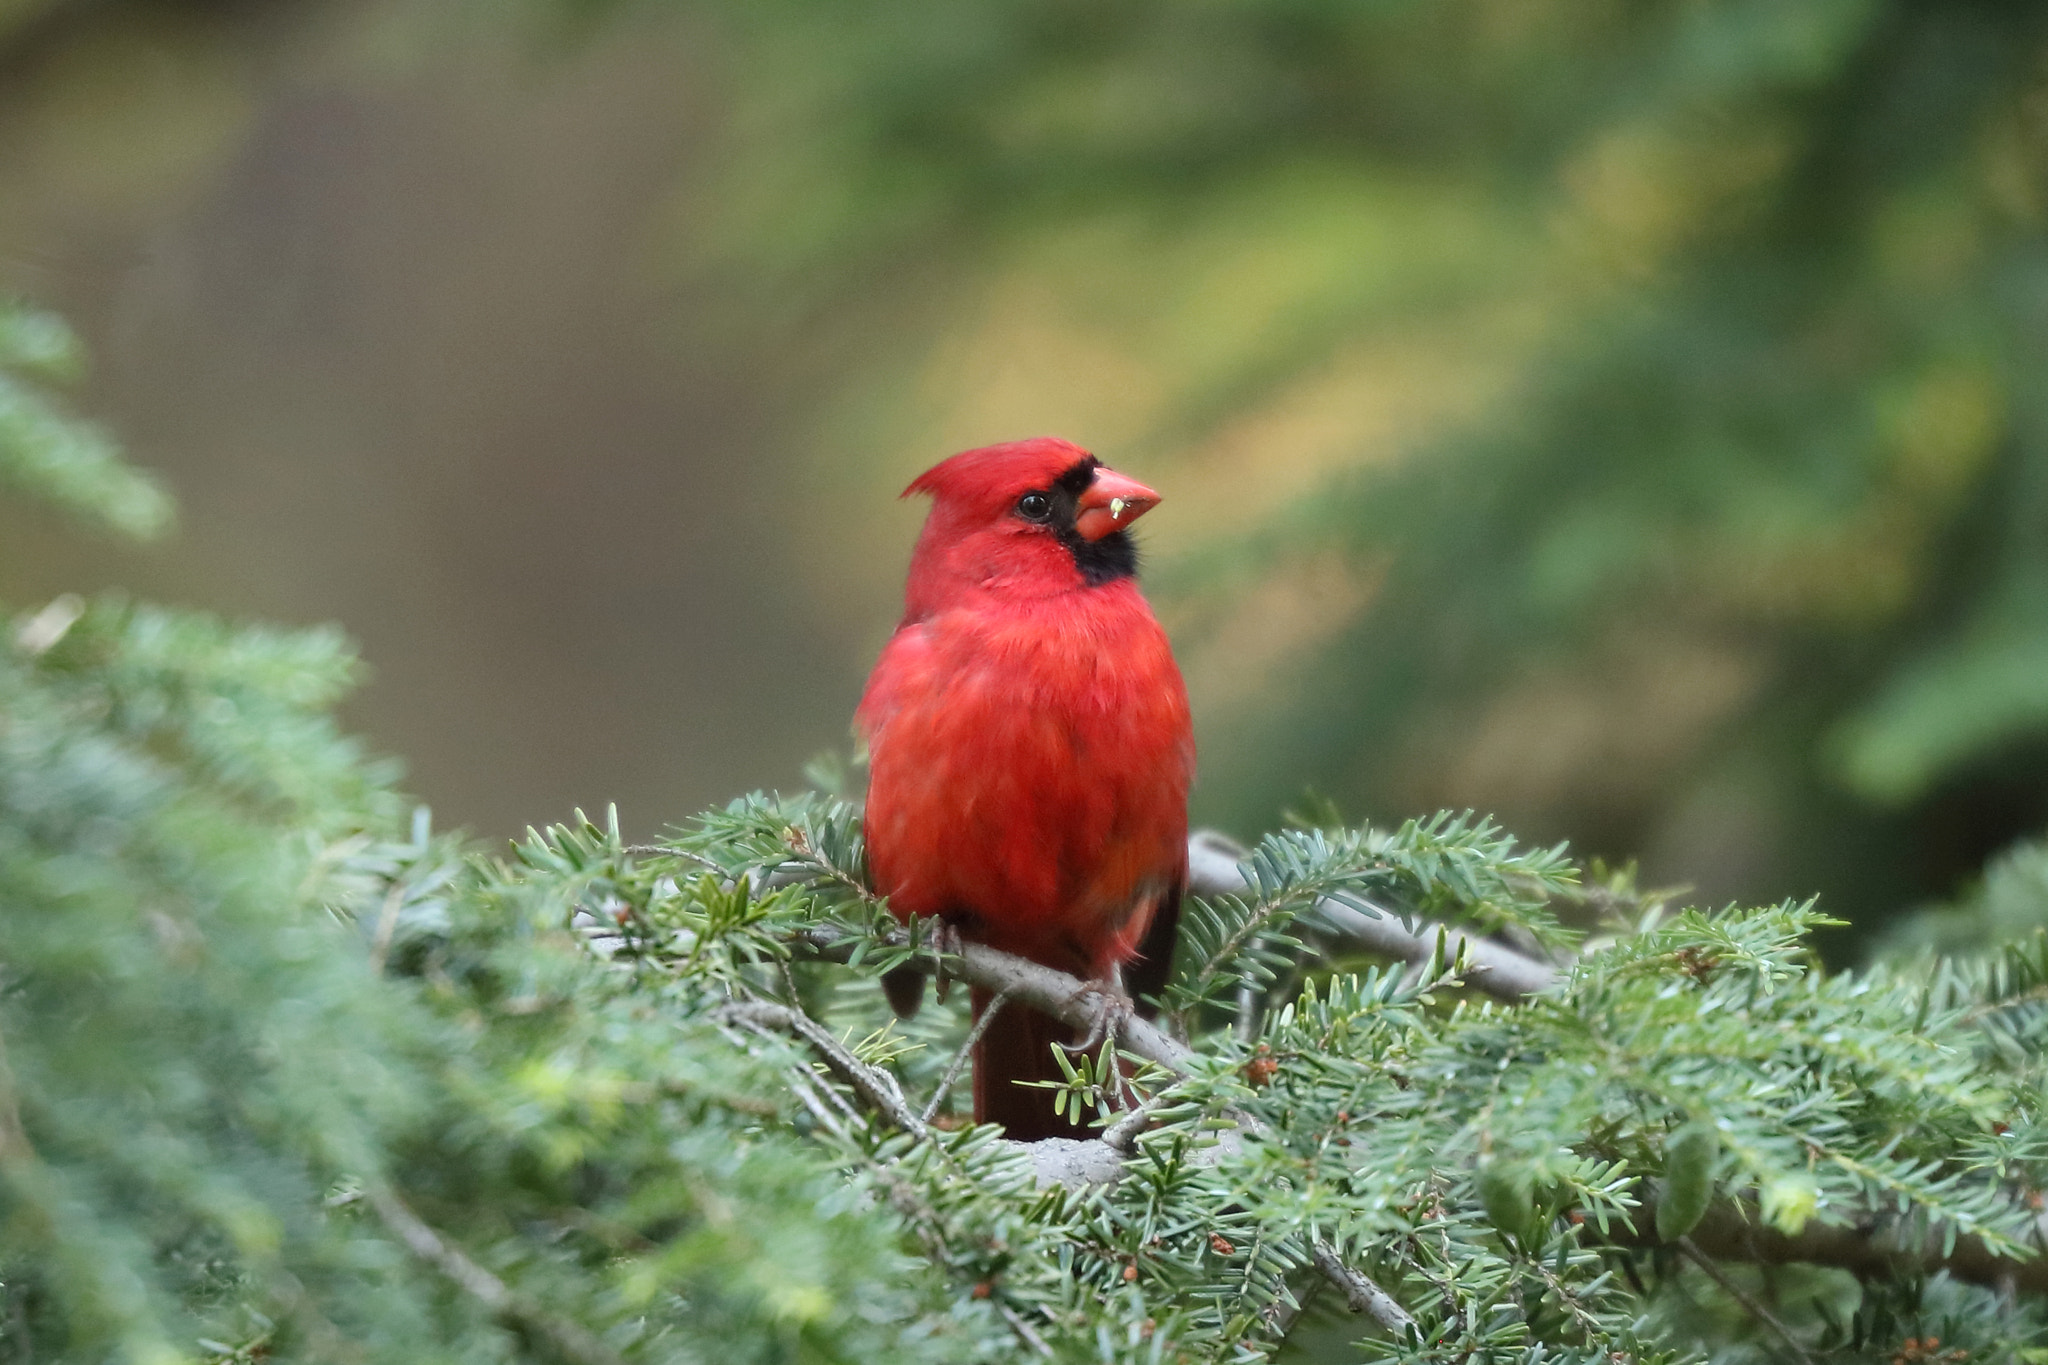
(51, 456)
(290, 1077)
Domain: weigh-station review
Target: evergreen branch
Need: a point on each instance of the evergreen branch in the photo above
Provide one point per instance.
(1286, 875)
(1498, 970)
(54, 457)
(1361, 1295)
(1068, 1162)
(873, 1084)
(571, 1339)
(1080, 1004)
(784, 842)
(802, 1083)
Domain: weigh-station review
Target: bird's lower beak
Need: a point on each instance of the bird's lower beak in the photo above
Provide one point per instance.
(1110, 504)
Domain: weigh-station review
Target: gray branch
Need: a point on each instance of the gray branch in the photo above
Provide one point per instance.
(1495, 968)
(873, 1084)
(1361, 1295)
(1073, 1162)
(1213, 870)
(1083, 1005)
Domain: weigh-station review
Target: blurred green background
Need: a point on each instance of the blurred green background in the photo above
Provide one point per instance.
(1627, 417)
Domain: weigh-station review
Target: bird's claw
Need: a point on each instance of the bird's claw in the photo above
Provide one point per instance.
(1115, 1011)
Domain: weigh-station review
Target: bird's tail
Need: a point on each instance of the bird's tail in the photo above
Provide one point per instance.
(1018, 1047)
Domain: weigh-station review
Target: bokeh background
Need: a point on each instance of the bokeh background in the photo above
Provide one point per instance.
(1626, 416)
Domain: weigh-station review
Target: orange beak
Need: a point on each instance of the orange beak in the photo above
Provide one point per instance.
(1111, 503)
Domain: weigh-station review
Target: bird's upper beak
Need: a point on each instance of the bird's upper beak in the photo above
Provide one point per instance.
(1111, 503)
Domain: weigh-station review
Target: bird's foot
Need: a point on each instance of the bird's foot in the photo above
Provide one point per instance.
(1114, 1011)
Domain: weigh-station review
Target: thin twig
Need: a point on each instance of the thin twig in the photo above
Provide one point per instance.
(806, 1089)
(873, 1084)
(800, 1080)
(974, 1035)
(665, 851)
(1692, 1253)
(1282, 1314)
(1361, 1295)
(572, 1339)
(1023, 1329)
(807, 1080)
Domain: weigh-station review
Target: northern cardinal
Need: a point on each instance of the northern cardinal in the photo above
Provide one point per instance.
(1029, 744)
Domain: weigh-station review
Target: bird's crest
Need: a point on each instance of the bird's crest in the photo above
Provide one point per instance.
(998, 472)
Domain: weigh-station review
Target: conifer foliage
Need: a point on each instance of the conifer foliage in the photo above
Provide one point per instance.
(289, 1076)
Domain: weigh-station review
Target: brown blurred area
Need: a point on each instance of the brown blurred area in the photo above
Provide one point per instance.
(383, 292)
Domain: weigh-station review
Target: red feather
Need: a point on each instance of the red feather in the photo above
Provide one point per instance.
(1029, 742)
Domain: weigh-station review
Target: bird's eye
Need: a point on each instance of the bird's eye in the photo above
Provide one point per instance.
(1034, 507)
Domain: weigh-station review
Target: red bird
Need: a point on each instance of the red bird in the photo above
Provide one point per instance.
(1029, 743)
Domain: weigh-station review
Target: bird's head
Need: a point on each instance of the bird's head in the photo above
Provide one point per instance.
(1026, 518)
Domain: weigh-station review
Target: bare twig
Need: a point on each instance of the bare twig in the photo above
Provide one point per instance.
(807, 1095)
(571, 1339)
(974, 1035)
(1361, 1295)
(1735, 1291)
